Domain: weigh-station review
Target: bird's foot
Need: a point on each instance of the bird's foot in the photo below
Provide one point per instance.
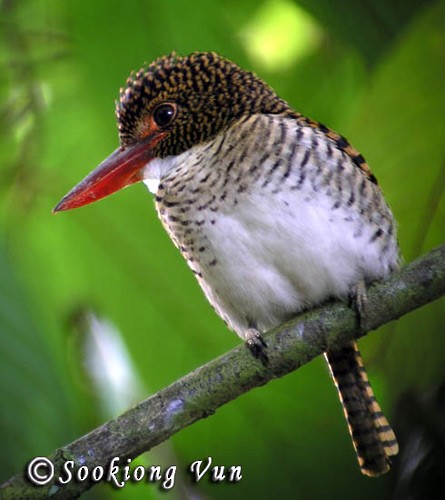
(359, 300)
(256, 345)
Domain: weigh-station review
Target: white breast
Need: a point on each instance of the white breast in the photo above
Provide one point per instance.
(275, 260)
(274, 252)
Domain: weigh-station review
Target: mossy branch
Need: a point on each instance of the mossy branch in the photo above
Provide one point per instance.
(203, 391)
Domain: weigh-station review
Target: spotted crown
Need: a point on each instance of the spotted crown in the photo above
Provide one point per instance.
(210, 91)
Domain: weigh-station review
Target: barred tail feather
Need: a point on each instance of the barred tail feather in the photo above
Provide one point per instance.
(373, 439)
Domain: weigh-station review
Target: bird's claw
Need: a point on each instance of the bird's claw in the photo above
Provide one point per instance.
(359, 301)
(256, 345)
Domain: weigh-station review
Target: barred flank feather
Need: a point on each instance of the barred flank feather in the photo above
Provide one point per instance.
(373, 439)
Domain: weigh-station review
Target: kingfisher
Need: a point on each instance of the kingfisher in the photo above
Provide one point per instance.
(274, 212)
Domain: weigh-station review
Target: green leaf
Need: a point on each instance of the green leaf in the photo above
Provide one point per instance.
(370, 27)
(34, 401)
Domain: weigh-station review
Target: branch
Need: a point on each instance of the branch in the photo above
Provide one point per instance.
(201, 392)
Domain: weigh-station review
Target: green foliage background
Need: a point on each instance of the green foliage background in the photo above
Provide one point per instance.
(374, 71)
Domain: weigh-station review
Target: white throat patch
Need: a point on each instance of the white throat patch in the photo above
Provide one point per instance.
(157, 169)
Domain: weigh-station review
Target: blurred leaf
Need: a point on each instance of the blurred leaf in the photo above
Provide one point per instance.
(369, 27)
(33, 398)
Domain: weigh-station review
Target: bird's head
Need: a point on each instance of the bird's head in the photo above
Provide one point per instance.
(168, 107)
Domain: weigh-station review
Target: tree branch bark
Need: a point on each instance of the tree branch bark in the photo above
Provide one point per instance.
(201, 392)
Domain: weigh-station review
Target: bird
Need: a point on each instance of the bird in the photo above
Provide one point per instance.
(274, 212)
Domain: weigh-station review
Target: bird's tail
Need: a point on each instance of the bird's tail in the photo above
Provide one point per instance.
(373, 439)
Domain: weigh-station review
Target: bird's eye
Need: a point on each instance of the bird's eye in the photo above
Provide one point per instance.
(164, 114)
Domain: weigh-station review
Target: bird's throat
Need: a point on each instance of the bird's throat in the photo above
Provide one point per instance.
(154, 171)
